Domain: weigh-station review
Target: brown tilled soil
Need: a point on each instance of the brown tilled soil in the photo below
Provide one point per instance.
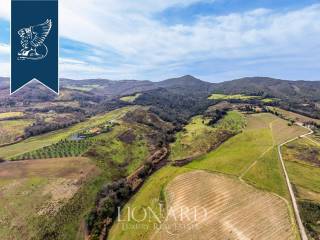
(234, 210)
(55, 167)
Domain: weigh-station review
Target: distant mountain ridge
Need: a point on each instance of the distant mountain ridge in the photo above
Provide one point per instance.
(283, 89)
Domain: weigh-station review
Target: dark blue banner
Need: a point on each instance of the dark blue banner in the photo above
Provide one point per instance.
(34, 43)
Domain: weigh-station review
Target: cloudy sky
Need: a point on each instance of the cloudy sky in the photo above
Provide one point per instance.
(214, 40)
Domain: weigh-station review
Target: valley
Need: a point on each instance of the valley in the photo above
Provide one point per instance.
(68, 163)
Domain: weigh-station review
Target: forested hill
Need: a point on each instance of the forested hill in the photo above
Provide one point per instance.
(286, 90)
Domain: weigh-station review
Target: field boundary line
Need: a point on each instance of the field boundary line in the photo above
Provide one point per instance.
(255, 162)
(302, 230)
(262, 154)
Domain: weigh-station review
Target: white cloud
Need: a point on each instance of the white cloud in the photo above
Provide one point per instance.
(4, 49)
(149, 48)
(5, 6)
(128, 29)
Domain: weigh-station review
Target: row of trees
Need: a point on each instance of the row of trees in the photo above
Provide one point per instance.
(64, 148)
(110, 197)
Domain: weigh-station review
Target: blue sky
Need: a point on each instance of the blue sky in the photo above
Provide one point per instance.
(214, 40)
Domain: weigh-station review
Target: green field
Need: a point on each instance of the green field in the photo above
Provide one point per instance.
(84, 87)
(37, 189)
(63, 148)
(302, 160)
(10, 115)
(233, 121)
(109, 148)
(266, 173)
(252, 153)
(270, 100)
(54, 137)
(216, 96)
(130, 98)
(197, 137)
(11, 130)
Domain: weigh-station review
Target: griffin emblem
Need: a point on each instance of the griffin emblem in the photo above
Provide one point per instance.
(32, 41)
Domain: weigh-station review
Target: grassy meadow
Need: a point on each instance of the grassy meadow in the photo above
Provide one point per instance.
(109, 148)
(36, 189)
(11, 130)
(130, 98)
(197, 137)
(302, 160)
(252, 154)
(10, 115)
(217, 96)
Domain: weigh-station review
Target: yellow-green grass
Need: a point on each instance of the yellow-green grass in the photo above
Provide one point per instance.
(84, 87)
(266, 173)
(216, 96)
(150, 195)
(252, 154)
(300, 158)
(55, 136)
(270, 100)
(10, 115)
(197, 137)
(130, 98)
(11, 130)
(31, 189)
(304, 175)
(132, 153)
(234, 121)
(235, 155)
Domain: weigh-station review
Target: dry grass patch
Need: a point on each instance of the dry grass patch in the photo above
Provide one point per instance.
(31, 188)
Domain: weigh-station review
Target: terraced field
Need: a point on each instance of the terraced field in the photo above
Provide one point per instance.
(229, 210)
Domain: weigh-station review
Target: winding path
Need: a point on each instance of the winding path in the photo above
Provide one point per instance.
(292, 196)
